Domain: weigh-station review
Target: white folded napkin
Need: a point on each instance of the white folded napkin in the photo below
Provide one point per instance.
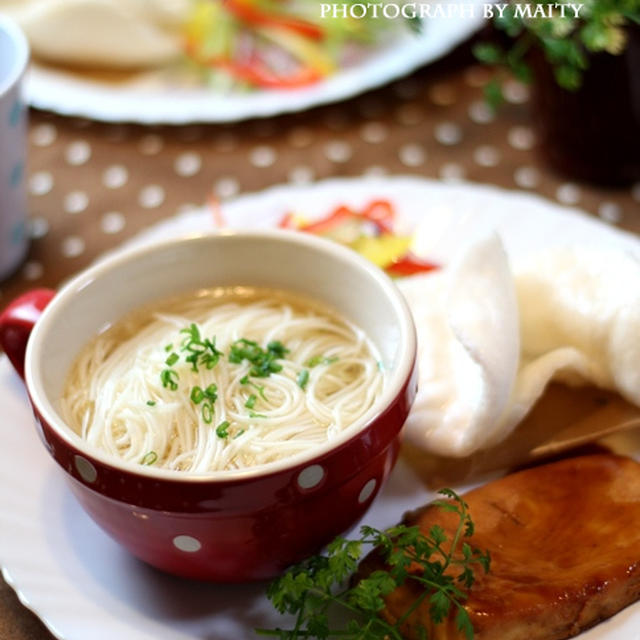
(490, 339)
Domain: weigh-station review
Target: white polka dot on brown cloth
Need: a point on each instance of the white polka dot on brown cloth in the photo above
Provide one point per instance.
(374, 132)
(442, 95)
(78, 153)
(412, 155)
(188, 164)
(451, 172)
(301, 174)
(515, 92)
(568, 193)
(486, 156)
(300, 137)
(32, 270)
(527, 177)
(521, 138)
(44, 135)
(72, 246)
(112, 222)
(448, 133)
(225, 142)
(263, 156)
(338, 151)
(38, 227)
(477, 76)
(151, 196)
(115, 176)
(40, 183)
(481, 113)
(610, 212)
(226, 187)
(151, 144)
(75, 202)
(375, 171)
(409, 114)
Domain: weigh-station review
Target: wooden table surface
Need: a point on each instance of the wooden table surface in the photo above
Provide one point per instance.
(93, 185)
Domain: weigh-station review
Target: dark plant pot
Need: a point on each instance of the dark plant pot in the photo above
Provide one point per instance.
(592, 134)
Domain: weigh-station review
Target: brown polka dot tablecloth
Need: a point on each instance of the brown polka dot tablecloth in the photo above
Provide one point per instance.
(93, 185)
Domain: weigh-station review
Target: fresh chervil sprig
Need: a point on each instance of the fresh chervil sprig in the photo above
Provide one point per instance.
(443, 566)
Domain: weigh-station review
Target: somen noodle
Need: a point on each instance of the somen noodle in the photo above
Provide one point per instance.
(226, 378)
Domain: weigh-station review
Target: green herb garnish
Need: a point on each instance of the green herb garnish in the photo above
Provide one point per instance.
(151, 403)
(442, 567)
(172, 359)
(149, 458)
(200, 352)
(316, 360)
(169, 379)
(303, 378)
(207, 397)
(263, 361)
(251, 401)
(222, 430)
(253, 414)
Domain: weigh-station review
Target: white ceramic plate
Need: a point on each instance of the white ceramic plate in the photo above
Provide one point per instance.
(150, 98)
(84, 587)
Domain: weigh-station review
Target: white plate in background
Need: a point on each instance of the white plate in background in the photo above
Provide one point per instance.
(150, 98)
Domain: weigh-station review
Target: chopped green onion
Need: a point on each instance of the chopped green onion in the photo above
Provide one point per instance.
(222, 429)
(238, 434)
(244, 380)
(303, 378)
(169, 379)
(251, 401)
(172, 359)
(253, 414)
(207, 412)
(197, 395)
(211, 392)
(151, 403)
(149, 458)
(168, 347)
(263, 362)
(316, 360)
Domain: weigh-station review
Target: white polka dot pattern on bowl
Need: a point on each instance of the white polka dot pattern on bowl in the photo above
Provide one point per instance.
(367, 491)
(188, 544)
(311, 477)
(86, 470)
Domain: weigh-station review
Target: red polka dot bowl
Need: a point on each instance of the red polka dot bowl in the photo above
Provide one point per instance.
(227, 525)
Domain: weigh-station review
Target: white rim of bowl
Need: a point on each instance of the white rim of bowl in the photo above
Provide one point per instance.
(400, 374)
(22, 54)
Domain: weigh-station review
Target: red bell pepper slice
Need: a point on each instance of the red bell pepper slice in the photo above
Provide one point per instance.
(409, 265)
(251, 14)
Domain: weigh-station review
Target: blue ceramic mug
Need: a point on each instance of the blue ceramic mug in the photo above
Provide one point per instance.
(14, 55)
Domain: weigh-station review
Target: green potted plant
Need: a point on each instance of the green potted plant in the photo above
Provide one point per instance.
(585, 75)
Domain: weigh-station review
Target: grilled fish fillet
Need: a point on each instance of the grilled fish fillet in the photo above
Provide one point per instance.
(564, 540)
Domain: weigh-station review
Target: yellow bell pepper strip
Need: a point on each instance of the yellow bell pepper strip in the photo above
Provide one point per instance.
(370, 233)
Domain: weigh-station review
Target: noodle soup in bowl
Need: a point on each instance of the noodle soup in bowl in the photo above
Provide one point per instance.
(222, 405)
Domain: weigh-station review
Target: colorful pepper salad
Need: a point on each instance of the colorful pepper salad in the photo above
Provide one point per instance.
(275, 44)
(369, 231)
